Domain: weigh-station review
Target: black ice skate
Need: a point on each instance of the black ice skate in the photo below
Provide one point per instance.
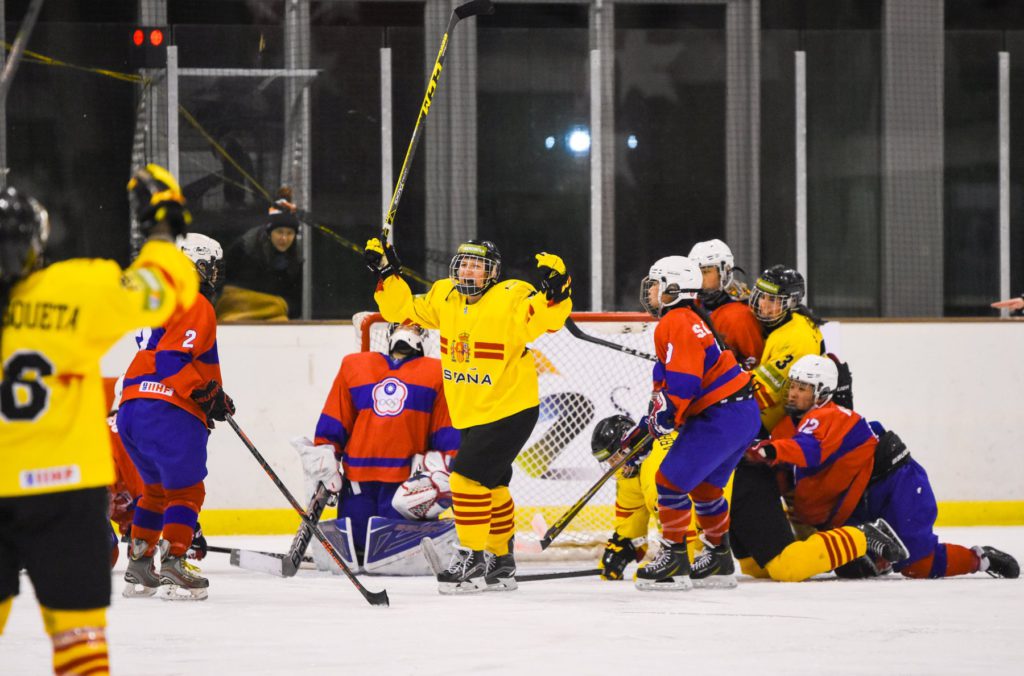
(669, 571)
(141, 578)
(181, 580)
(500, 572)
(997, 563)
(465, 573)
(883, 541)
(713, 567)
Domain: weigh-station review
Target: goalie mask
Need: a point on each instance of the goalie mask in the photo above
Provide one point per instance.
(677, 277)
(24, 229)
(208, 257)
(156, 197)
(475, 267)
(405, 339)
(777, 292)
(714, 254)
(820, 373)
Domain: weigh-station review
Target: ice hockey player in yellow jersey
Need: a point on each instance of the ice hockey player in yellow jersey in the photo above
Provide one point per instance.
(56, 459)
(490, 382)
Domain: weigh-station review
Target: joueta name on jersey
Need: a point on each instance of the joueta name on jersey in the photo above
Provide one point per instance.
(42, 316)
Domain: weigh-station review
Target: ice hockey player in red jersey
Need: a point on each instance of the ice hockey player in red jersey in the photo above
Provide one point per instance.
(723, 298)
(171, 395)
(386, 420)
(699, 390)
(846, 474)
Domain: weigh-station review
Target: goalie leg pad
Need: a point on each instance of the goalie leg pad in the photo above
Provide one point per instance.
(394, 546)
(339, 534)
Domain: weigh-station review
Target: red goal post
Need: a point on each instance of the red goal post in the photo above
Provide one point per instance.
(579, 384)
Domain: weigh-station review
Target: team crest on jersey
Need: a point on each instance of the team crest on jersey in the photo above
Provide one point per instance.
(460, 349)
(389, 396)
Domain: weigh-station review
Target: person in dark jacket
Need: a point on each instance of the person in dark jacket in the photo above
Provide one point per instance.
(266, 259)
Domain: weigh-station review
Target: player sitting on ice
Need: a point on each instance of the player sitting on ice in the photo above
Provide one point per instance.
(386, 420)
(699, 390)
(845, 475)
(170, 399)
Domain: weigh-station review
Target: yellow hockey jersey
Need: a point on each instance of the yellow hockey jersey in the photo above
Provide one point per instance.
(489, 373)
(58, 324)
(796, 338)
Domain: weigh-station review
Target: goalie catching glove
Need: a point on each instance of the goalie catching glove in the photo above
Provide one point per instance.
(427, 492)
(319, 466)
(381, 257)
(214, 401)
(555, 282)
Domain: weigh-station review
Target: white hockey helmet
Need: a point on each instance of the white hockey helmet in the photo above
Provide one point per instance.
(411, 335)
(676, 276)
(208, 257)
(819, 372)
(715, 253)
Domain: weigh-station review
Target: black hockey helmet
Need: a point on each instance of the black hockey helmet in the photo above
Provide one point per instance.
(24, 229)
(156, 197)
(475, 253)
(608, 434)
(777, 283)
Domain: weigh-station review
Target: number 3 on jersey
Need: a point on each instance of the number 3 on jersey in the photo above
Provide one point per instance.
(23, 395)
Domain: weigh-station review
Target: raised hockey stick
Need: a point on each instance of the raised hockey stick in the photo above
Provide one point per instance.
(472, 8)
(564, 520)
(373, 598)
(577, 332)
(14, 59)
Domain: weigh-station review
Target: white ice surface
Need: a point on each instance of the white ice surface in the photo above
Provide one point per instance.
(256, 624)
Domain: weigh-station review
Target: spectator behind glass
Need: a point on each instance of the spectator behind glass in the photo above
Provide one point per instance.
(264, 269)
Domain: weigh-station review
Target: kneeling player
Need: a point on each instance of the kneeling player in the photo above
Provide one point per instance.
(844, 474)
(386, 420)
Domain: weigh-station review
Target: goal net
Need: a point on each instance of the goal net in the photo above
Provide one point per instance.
(580, 383)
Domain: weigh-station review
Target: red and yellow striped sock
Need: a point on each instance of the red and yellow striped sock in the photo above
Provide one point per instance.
(503, 521)
(471, 502)
(79, 640)
(820, 553)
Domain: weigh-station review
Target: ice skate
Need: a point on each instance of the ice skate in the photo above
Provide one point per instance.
(713, 567)
(141, 578)
(669, 571)
(500, 572)
(465, 573)
(997, 563)
(883, 541)
(181, 580)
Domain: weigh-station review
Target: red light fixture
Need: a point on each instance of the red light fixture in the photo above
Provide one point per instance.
(156, 37)
(138, 37)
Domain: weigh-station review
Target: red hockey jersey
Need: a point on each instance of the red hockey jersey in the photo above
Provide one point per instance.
(739, 328)
(832, 451)
(175, 359)
(380, 413)
(692, 369)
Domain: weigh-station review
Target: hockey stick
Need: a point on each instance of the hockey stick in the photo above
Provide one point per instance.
(537, 577)
(577, 332)
(472, 8)
(11, 67)
(235, 552)
(373, 598)
(300, 543)
(569, 515)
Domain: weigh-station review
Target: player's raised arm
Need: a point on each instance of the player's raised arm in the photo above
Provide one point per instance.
(393, 295)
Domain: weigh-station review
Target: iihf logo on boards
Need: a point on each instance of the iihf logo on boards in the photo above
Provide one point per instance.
(389, 397)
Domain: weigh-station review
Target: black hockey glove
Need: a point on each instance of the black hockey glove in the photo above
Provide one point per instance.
(381, 257)
(197, 550)
(555, 282)
(214, 401)
(619, 552)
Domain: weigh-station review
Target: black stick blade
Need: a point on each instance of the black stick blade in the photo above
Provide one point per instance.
(474, 8)
(378, 598)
